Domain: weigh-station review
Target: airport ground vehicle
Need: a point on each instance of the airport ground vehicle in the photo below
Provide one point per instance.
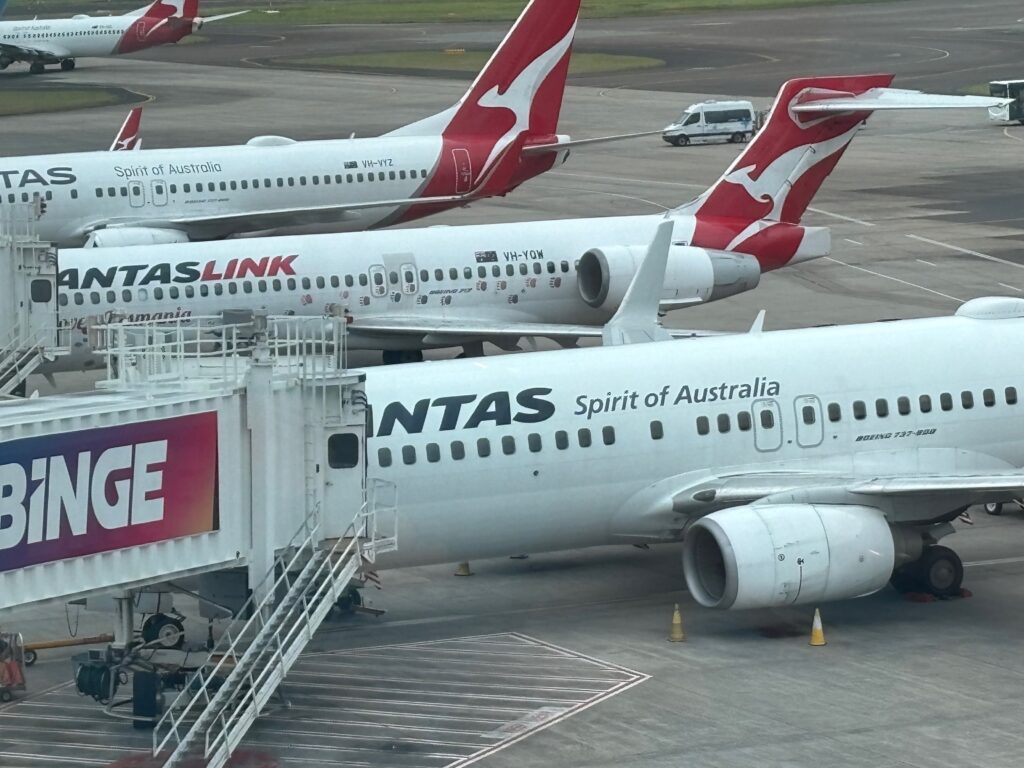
(1007, 89)
(709, 121)
(12, 665)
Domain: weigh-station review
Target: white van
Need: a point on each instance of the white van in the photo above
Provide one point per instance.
(712, 121)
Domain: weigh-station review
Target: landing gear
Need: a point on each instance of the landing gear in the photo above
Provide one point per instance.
(939, 572)
(4, 62)
(66, 65)
(394, 357)
(36, 68)
(163, 630)
(994, 508)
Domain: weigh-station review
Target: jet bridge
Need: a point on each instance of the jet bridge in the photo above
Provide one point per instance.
(211, 447)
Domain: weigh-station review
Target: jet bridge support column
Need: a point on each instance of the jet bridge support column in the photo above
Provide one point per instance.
(260, 418)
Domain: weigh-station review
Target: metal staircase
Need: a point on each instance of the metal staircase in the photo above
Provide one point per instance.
(225, 696)
(20, 354)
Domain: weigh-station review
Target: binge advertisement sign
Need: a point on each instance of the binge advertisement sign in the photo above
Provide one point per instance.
(96, 490)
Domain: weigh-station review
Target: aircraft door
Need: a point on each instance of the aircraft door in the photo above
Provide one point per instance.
(136, 194)
(767, 425)
(810, 430)
(410, 284)
(345, 478)
(378, 280)
(463, 170)
(158, 192)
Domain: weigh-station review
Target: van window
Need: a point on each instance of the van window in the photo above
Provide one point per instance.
(693, 119)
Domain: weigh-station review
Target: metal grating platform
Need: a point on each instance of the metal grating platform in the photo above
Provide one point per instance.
(436, 704)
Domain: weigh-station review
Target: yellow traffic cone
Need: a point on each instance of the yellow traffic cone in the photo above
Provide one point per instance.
(463, 570)
(817, 633)
(676, 633)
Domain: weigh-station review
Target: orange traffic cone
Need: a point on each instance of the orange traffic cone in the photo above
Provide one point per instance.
(817, 633)
(676, 633)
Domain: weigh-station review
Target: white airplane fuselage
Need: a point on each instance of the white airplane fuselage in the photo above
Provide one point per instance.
(588, 447)
(164, 185)
(85, 36)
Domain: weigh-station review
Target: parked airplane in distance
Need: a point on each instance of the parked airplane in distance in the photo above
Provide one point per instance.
(499, 134)
(409, 290)
(128, 138)
(61, 41)
(796, 466)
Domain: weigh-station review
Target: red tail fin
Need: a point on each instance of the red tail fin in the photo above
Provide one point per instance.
(128, 137)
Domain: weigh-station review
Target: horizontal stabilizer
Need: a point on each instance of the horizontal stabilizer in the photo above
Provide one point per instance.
(636, 320)
(897, 98)
(536, 149)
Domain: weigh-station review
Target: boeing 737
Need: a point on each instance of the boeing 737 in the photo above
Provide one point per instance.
(61, 41)
(795, 466)
(409, 290)
(501, 133)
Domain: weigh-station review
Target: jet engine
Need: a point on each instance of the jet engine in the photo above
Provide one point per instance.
(764, 556)
(692, 273)
(118, 237)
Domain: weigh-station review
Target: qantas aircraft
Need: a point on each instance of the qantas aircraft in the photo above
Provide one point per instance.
(128, 138)
(501, 133)
(796, 466)
(407, 290)
(61, 41)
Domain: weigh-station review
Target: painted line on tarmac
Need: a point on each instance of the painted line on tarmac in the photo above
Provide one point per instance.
(967, 251)
(926, 262)
(855, 242)
(895, 279)
(995, 561)
(1011, 287)
(840, 216)
(1007, 134)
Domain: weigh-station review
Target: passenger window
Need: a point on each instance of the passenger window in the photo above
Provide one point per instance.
(743, 421)
(111, 297)
(384, 457)
(608, 435)
(496, 270)
(232, 289)
(393, 277)
(190, 292)
(79, 299)
(363, 281)
(343, 451)
(424, 276)
(523, 268)
(408, 454)
(218, 289)
(336, 281)
(583, 437)
(835, 413)
(561, 439)
(433, 449)
(94, 297)
(481, 272)
(453, 273)
(657, 430)
(158, 293)
(988, 396)
(204, 290)
(247, 287)
(510, 270)
(903, 405)
(723, 422)
(62, 299)
(439, 274)
(537, 268)
(378, 280)
(882, 407)
(349, 282)
(924, 402)
(967, 399)
(1011, 395)
(565, 266)
(767, 420)
(534, 442)
(458, 450)
(860, 411)
(508, 445)
(173, 291)
(483, 447)
(467, 272)
(703, 425)
(946, 401)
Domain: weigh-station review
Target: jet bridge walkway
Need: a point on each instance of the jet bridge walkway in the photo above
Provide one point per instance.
(206, 448)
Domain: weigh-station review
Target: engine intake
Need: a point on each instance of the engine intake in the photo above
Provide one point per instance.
(764, 556)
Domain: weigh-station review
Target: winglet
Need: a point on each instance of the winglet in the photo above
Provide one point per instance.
(758, 324)
(636, 320)
(127, 137)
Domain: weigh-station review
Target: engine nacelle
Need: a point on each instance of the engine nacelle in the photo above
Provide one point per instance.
(118, 237)
(691, 273)
(770, 555)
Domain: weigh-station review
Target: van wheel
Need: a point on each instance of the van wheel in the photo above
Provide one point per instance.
(736, 138)
(681, 141)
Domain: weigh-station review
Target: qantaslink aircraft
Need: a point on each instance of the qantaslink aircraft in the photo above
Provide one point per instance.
(498, 135)
(795, 466)
(409, 290)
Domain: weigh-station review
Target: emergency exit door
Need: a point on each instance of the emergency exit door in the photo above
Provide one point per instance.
(767, 425)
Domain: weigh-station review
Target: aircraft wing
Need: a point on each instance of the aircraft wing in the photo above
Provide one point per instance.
(438, 329)
(36, 51)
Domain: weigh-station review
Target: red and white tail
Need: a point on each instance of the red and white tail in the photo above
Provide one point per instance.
(128, 137)
(771, 183)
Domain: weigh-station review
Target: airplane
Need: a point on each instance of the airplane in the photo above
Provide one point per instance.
(415, 289)
(795, 466)
(443, 161)
(61, 41)
(128, 138)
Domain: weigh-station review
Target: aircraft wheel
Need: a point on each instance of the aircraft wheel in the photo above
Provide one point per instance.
(395, 357)
(67, 65)
(904, 580)
(5, 63)
(36, 68)
(940, 571)
(994, 508)
(164, 630)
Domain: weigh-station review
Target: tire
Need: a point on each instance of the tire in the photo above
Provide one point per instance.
(67, 65)
(682, 141)
(164, 631)
(736, 138)
(36, 68)
(350, 599)
(940, 571)
(993, 509)
(903, 579)
(6, 696)
(30, 658)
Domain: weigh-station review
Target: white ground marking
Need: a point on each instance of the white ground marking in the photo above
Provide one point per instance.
(1011, 287)
(995, 561)
(968, 251)
(894, 279)
(840, 216)
(930, 264)
(855, 242)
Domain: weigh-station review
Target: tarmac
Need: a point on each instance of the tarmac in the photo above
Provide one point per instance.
(925, 211)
